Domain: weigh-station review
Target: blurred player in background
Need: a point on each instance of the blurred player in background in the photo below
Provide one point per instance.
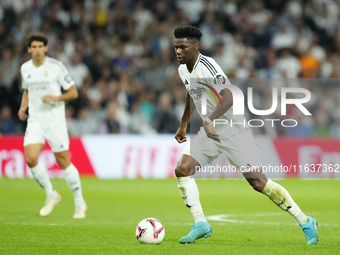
(42, 79)
(236, 142)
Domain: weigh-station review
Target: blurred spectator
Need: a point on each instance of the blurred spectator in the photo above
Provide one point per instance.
(310, 66)
(134, 47)
(165, 120)
(9, 67)
(78, 71)
(160, 41)
(96, 112)
(260, 16)
(225, 57)
(321, 121)
(288, 64)
(335, 129)
(192, 8)
(6, 121)
(82, 125)
(142, 17)
(271, 70)
(147, 105)
(138, 121)
(283, 38)
(230, 7)
(111, 124)
(295, 8)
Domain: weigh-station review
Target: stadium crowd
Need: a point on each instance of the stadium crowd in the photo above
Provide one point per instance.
(120, 54)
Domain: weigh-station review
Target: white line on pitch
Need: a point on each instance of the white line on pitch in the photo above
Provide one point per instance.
(226, 218)
(32, 224)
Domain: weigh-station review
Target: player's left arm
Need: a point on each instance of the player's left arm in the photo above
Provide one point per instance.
(70, 94)
(227, 102)
(225, 96)
(67, 83)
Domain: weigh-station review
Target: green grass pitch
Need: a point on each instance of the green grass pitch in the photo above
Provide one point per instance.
(116, 206)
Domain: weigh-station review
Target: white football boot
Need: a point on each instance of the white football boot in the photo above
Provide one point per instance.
(49, 205)
(80, 211)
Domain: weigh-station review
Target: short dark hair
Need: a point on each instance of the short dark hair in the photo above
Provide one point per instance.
(40, 37)
(190, 32)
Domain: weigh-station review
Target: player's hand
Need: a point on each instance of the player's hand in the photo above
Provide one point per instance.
(210, 131)
(48, 98)
(22, 114)
(180, 135)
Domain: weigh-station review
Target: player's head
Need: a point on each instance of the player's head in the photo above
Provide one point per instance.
(37, 45)
(187, 41)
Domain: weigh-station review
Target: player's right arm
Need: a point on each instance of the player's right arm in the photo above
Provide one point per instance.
(188, 110)
(24, 101)
(24, 105)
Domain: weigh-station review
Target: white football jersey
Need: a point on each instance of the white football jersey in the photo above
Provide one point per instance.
(207, 71)
(47, 79)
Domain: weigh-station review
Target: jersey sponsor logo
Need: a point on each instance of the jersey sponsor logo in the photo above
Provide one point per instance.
(37, 85)
(196, 93)
(29, 76)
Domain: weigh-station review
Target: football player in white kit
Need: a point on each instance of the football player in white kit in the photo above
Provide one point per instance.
(236, 142)
(42, 79)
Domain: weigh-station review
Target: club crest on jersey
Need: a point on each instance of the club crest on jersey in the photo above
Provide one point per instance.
(219, 79)
(67, 78)
(46, 73)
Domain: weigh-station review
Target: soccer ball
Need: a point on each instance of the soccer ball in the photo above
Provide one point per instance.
(150, 230)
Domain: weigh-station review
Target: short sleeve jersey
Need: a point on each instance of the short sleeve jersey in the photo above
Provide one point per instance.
(47, 79)
(207, 71)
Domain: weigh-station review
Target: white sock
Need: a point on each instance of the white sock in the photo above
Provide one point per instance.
(41, 176)
(73, 181)
(280, 196)
(189, 192)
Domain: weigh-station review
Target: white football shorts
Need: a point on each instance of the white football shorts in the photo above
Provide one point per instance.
(240, 149)
(57, 137)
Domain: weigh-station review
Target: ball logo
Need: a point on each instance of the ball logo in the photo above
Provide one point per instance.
(150, 231)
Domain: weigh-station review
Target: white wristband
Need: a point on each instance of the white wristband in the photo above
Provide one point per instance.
(208, 120)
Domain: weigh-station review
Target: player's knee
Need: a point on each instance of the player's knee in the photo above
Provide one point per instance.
(63, 163)
(258, 184)
(31, 161)
(182, 170)
(63, 160)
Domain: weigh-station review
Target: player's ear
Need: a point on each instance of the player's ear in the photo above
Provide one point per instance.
(46, 48)
(196, 46)
(29, 49)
